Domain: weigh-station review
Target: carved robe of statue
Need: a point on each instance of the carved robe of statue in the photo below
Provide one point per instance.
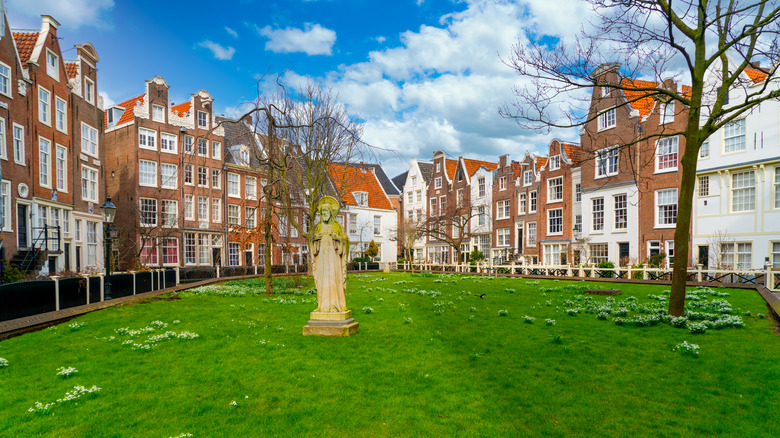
(331, 248)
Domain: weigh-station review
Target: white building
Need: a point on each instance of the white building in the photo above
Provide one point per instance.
(736, 212)
(414, 199)
(481, 226)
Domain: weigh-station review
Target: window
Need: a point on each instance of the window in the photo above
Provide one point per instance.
(203, 176)
(89, 140)
(578, 223)
(233, 185)
(777, 186)
(578, 192)
(605, 91)
(3, 140)
(168, 142)
(146, 138)
(249, 215)
(216, 210)
(89, 90)
(216, 150)
(667, 113)
(409, 197)
(353, 223)
(170, 251)
(244, 157)
(250, 188)
(482, 215)
(775, 254)
(555, 254)
(44, 106)
(204, 249)
(61, 116)
(170, 213)
(481, 185)
(203, 145)
(419, 196)
(555, 162)
(530, 239)
(148, 251)
(532, 208)
(377, 225)
(411, 215)
(598, 214)
(726, 99)
(158, 113)
(555, 221)
(189, 248)
(414, 180)
(188, 142)
(599, 252)
(736, 255)
(459, 198)
(361, 198)
(443, 205)
(89, 177)
(521, 203)
(437, 182)
(233, 250)
(607, 162)
(704, 186)
(62, 168)
(216, 181)
(234, 215)
(669, 253)
(188, 174)
(203, 119)
(5, 79)
(5, 205)
(92, 244)
(527, 178)
(203, 209)
(555, 189)
(743, 191)
(438, 167)
(147, 173)
(734, 137)
(19, 144)
(502, 183)
(621, 211)
(189, 207)
(284, 226)
(433, 210)
(502, 237)
(704, 150)
(607, 119)
(666, 202)
(148, 212)
(44, 154)
(169, 175)
(666, 154)
(502, 208)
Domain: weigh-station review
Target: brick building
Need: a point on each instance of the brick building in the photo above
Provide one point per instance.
(527, 186)
(555, 227)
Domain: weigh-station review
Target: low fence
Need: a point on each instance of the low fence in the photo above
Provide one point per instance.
(27, 298)
(197, 273)
(768, 278)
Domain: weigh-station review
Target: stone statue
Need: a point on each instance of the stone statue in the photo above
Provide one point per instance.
(331, 251)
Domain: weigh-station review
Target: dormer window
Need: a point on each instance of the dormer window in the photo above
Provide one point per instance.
(203, 119)
(555, 162)
(244, 157)
(158, 113)
(361, 198)
(52, 65)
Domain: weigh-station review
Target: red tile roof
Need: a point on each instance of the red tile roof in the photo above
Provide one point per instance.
(640, 100)
(71, 68)
(473, 165)
(451, 166)
(25, 43)
(182, 108)
(355, 179)
(540, 161)
(129, 106)
(572, 151)
(517, 169)
(755, 74)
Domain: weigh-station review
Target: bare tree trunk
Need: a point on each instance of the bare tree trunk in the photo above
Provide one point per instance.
(682, 233)
(269, 210)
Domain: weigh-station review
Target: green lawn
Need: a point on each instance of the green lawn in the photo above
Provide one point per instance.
(431, 359)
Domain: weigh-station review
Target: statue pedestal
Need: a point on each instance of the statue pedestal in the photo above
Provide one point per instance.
(331, 324)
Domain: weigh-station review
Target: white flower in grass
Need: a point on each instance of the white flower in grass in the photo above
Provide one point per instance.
(66, 372)
(233, 403)
(3, 362)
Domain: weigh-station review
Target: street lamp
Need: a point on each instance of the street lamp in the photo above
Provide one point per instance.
(109, 211)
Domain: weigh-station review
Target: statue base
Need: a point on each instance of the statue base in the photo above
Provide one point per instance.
(339, 324)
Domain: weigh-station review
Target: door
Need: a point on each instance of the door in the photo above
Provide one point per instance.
(623, 251)
(519, 240)
(704, 256)
(216, 255)
(78, 258)
(67, 256)
(21, 221)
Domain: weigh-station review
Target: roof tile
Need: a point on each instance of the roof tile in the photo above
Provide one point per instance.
(129, 114)
(451, 166)
(572, 151)
(540, 162)
(182, 108)
(71, 68)
(355, 179)
(640, 100)
(473, 165)
(25, 43)
(755, 75)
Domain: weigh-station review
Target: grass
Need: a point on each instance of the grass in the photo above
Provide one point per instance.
(432, 359)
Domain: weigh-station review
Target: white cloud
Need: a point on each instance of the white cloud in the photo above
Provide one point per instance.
(312, 40)
(107, 101)
(232, 32)
(380, 39)
(70, 13)
(219, 51)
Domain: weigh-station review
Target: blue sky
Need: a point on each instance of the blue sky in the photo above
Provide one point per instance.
(423, 75)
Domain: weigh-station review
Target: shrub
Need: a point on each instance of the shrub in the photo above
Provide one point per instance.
(368, 310)
(605, 265)
(503, 312)
(476, 256)
(11, 274)
(528, 319)
(550, 321)
(696, 328)
(679, 322)
(572, 312)
(687, 349)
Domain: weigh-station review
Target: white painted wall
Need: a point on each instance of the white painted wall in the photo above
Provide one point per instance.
(609, 235)
(414, 185)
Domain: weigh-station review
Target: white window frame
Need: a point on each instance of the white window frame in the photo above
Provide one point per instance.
(703, 186)
(733, 131)
(44, 106)
(530, 235)
(88, 142)
(142, 216)
(236, 219)
(667, 113)
(204, 152)
(377, 225)
(147, 139)
(216, 178)
(597, 214)
(250, 188)
(61, 116)
(205, 122)
(234, 186)
(527, 178)
(89, 184)
(189, 207)
(53, 70)
(503, 209)
(203, 209)
(5, 206)
(776, 188)
(620, 210)
(216, 210)
(503, 237)
(3, 140)
(748, 192)
(216, 150)
(533, 202)
(18, 144)
(607, 156)
(158, 113)
(437, 182)
(169, 143)
(188, 170)
(521, 203)
(170, 215)
(607, 119)
(149, 165)
(481, 187)
(667, 151)
(189, 144)
(555, 162)
(502, 183)
(6, 82)
(555, 187)
(558, 212)
(203, 172)
(61, 157)
(89, 90)
(661, 217)
(170, 181)
(44, 162)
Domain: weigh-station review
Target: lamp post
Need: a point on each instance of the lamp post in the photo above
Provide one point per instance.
(109, 211)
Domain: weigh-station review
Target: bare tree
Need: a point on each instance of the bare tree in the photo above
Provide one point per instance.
(408, 232)
(710, 43)
(453, 224)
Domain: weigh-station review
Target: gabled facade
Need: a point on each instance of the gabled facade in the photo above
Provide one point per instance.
(736, 215)
(479, 180)
(445, 182)
(414, 202)
(555, 228)
(527, 184)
